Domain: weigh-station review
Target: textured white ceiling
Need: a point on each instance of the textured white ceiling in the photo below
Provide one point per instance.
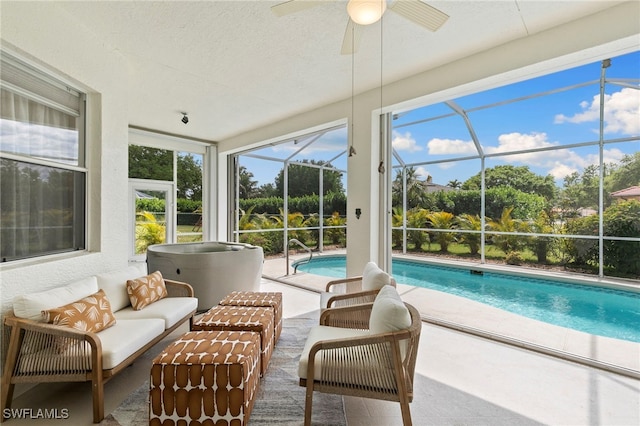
(235, 66)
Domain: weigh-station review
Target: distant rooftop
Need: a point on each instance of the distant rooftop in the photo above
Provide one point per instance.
(631, 192)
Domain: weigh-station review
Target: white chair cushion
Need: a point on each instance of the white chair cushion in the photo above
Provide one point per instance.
(31, 305)
(318, 333)
(114, 285)
(389, 312)
(169, 309)
(324, 298)
(374, 278)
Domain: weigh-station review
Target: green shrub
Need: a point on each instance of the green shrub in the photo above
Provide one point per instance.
(185, 205)
(514, 258)
(149, 205)
(148, 231)
(307, 205)
(622, 219)
(336, 235)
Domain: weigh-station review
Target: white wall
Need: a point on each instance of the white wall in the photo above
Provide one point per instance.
(606, 34)
(50, 38)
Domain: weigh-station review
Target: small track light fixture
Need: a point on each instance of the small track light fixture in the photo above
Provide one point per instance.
(185, 119)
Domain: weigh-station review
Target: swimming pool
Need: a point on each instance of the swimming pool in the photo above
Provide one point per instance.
(596, 310)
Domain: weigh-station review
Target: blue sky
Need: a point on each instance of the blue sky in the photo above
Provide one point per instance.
(563, 118)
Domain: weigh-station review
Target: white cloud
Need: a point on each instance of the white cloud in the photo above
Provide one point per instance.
(422, 172)
(560, 170)
(451, 146)
(405, 142)
(510, 142)
(621, 112)
(613, 155)
(558, 163)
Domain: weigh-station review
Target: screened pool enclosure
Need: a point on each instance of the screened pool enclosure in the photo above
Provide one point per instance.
(539, 173)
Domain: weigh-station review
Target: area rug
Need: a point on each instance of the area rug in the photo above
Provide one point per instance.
(280, 400)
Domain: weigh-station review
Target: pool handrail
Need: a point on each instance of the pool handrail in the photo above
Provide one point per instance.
(302, 262)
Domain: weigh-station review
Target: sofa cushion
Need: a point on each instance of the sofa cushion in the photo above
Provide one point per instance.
(145, 290)
(126, 337)
(31, 305)
(318, 333)
(170, 309)
(91, 313)
(114, 284)
(374, 278)
(389, 312)
(118, 343)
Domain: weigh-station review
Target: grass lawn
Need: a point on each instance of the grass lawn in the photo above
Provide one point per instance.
(186, 234)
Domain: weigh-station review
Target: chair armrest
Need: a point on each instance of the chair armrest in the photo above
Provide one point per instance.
(178, 289)
(354, 316)
(347, 283)
(352, 298)
(30, 338)
(54, 330)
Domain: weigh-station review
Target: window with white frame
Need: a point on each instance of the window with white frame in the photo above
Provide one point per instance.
(42, 153)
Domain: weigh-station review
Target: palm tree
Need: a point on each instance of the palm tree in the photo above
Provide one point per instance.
(415, 187)
(417, 218)
(508, 243)
(470, 222)
(455, 184)
(540, 245)
(442, 220)
(336, 235)
(148, 231)
(397, 221)
(245, 222)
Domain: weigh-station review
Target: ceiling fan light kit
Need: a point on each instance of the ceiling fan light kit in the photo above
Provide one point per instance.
(366, 12)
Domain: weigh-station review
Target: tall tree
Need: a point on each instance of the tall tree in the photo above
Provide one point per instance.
(189, 178)
(248, 185)
(304, 180)
(416, 189)
(625, 174)
(517, 177)
(150, 163)
(580, 190)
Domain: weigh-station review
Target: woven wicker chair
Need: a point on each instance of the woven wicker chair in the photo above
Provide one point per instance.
(348, 291)
(358, 363)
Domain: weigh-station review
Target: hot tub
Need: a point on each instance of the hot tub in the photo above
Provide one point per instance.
(214, 269)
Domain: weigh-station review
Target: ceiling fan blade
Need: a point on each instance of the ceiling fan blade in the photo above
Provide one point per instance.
(293, 6)
(352, 33)
(420, 13)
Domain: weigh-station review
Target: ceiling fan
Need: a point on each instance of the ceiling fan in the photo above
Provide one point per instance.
(365, 12)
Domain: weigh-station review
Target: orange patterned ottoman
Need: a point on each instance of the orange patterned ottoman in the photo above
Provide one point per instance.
(242, 318)
(258, 298)
(205, 377)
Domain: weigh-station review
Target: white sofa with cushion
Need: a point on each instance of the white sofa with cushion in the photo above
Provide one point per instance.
(89, 330)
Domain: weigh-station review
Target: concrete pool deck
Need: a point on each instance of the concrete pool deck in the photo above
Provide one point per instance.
(620, 356)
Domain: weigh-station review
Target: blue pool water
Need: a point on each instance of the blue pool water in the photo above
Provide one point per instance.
(591, 309)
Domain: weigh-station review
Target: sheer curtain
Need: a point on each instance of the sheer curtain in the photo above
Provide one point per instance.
(38, 201)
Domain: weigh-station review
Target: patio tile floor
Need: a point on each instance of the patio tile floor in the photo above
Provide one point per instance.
(461, 379)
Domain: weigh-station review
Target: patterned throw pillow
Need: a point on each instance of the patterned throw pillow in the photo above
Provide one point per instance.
(92, 314)
(144, 291)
